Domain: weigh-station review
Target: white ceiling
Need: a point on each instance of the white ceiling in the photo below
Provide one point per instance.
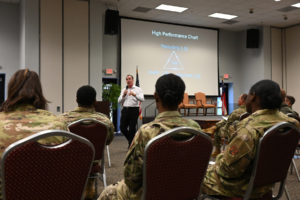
(265, 12)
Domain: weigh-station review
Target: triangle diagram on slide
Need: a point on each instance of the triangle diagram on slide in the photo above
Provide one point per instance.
(173, 62)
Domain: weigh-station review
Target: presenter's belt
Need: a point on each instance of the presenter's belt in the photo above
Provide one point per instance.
(130, 108)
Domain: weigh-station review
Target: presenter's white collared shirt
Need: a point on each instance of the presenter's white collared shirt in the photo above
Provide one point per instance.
(130, 100)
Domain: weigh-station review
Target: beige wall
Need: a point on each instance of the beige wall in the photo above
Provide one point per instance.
(293, 64)
(64, 53)
(276, 56)
(51, 52)
(76, 50)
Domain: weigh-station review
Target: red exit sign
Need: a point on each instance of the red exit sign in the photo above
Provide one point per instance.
(226, 76)
(109, 71)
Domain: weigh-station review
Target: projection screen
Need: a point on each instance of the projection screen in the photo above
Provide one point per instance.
(159, 48)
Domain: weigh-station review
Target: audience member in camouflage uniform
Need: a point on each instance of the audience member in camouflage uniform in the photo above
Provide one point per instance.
(284, 107)
(222, 127)
(287, 109)
(230, 175)
(86, 98)
(168, 94)
(289, 100)
(23, 113)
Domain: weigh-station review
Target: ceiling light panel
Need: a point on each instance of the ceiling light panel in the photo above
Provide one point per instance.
(297, 5)
(222, 16)
(170, 8)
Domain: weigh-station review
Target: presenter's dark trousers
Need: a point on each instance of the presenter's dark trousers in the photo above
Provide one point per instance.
(129, 116)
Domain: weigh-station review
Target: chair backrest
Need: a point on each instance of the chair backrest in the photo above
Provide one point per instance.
(93, 130)
(185, 98)
(30, 170)
(174, 169)
(273, 156)
(200, 97)
(103, 107)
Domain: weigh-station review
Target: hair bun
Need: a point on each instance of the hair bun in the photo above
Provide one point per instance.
(169, 95)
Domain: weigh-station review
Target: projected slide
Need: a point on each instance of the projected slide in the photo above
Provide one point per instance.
(158, 48)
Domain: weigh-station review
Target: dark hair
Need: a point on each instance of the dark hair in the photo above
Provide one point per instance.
(269, 94)
(24, 87)
(130, 76)
(86, 96)
(291, 99)
(170, 89)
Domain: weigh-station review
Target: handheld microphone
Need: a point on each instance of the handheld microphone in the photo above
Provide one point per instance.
(126, 87)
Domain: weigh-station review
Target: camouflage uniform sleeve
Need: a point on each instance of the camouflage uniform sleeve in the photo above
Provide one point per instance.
(235, 115)
(111, 131)
(53, 140)
(133, 166)
(237, 155)
(220, 123)
(294, 121)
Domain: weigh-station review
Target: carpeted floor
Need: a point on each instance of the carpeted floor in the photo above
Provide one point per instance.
(118, 150)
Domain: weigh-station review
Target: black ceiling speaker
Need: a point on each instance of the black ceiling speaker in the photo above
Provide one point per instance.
(252, 38)
(112, 22)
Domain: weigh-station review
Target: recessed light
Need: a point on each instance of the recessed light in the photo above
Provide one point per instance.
(277, 0)
(171, 8)
(222, 16)
(297, 5)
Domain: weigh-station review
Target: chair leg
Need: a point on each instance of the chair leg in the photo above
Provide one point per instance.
(197, 110)
(96, 186)
(108, 155)
(294, 164)
(287, 193)
(104, 177)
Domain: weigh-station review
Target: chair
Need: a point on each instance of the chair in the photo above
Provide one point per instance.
(180, 106)
(199, 104)
(296, 156)
(280, 141)
(186, 104)
(174, 169)
(96, 132)
(201, 101)
(104, 107)
(34, 171)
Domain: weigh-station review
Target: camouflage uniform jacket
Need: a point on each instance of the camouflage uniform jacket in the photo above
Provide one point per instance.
(223, 126)
(83, 112)
(133, 166)
(230, 174)
(26, 120)
(284, 108)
